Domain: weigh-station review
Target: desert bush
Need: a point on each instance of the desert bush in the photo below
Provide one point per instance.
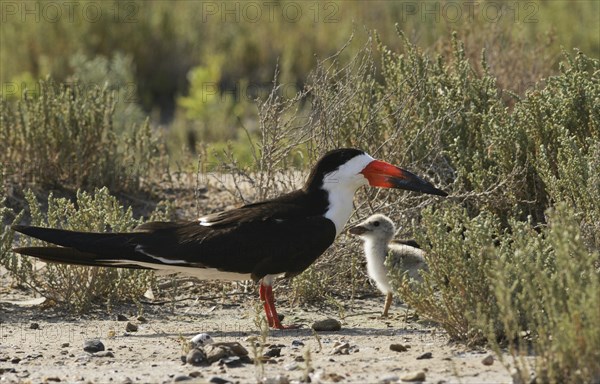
(546, 285)
(457, 287)
(65, 136)
(77, 287)
(191, 33)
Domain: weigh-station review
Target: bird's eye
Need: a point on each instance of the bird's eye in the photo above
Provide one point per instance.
(376, 223)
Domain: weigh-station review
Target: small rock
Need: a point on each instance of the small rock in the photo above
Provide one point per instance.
(398, 348)
(142, 319)
(219, 380)
(196, 357)
(217, 352)
(426, 355)
(297, 343)
(55, 379)
(181, 378)
(488, 360)
(235, 347)
(34, 326)
(414, 376)
(103, 354)
(195, 374)
(291, 367)
(65, 345)
(279, 379)
(201, 339)
(127, 381)
(273, 352)
(327, 325)
(15, 360)
(92, 346)
(231, 361)
(121, 317)
(389, 379)
(130, 327)
(341, 349)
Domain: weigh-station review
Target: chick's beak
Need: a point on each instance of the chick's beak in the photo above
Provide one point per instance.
(384, 175)
(357, 230)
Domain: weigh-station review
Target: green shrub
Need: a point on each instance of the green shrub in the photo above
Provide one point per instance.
(72, 286)
(66, 137)
(547, 286)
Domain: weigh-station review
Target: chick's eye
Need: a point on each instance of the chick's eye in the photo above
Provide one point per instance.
(376, 223)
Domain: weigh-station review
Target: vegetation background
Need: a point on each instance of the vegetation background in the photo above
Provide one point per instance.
(496, 102)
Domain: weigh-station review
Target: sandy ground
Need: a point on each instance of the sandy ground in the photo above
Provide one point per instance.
(54, 351)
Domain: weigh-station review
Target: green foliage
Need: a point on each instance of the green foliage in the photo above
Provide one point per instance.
(546, 285)
(166, 40)
(460, 256)
(72, 286)
(67, 137)
(118, 76)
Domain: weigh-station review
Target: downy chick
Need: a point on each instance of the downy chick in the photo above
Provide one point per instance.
(377, 232)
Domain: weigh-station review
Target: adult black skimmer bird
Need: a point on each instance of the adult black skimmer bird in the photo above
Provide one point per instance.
(404, 256)
(260, 241)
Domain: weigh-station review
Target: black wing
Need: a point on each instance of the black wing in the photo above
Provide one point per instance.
(272, 237)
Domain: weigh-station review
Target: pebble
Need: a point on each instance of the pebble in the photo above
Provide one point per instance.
(55, 379)
(201, 340)
(231, 361)
(65, 345)
(297, 343)
(327, 325)
(195, 374)
(121, 317)
(217, 352)
(389, 379)
(219, 380)
(488, 360)
(104, 354)
(15, 360)
(235, 347)
(341, 349)
(181, 378)
(142, 319)
(398, 348)
(426, 355)
(279, 379)
(291, 366)
(414, 376)
(34, 326)
(273, 352)
(130, 327)
(196, 357)
(92, 346)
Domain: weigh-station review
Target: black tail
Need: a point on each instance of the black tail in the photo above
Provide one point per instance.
(85, 248)
(83, 241)
(66, 255)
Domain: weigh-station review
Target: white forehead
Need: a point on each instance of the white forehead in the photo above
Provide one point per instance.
(349, 171)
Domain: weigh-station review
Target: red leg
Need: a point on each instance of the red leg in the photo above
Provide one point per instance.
(262, 291)
(269, 303)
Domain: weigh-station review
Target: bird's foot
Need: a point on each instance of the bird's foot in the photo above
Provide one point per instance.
(276, 323)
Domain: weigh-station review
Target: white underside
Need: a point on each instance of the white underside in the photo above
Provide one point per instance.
(199, 273)
(404, 258)
(375, 253)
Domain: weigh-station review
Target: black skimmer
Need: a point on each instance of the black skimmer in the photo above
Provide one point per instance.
(260, 241)
(404, 256)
